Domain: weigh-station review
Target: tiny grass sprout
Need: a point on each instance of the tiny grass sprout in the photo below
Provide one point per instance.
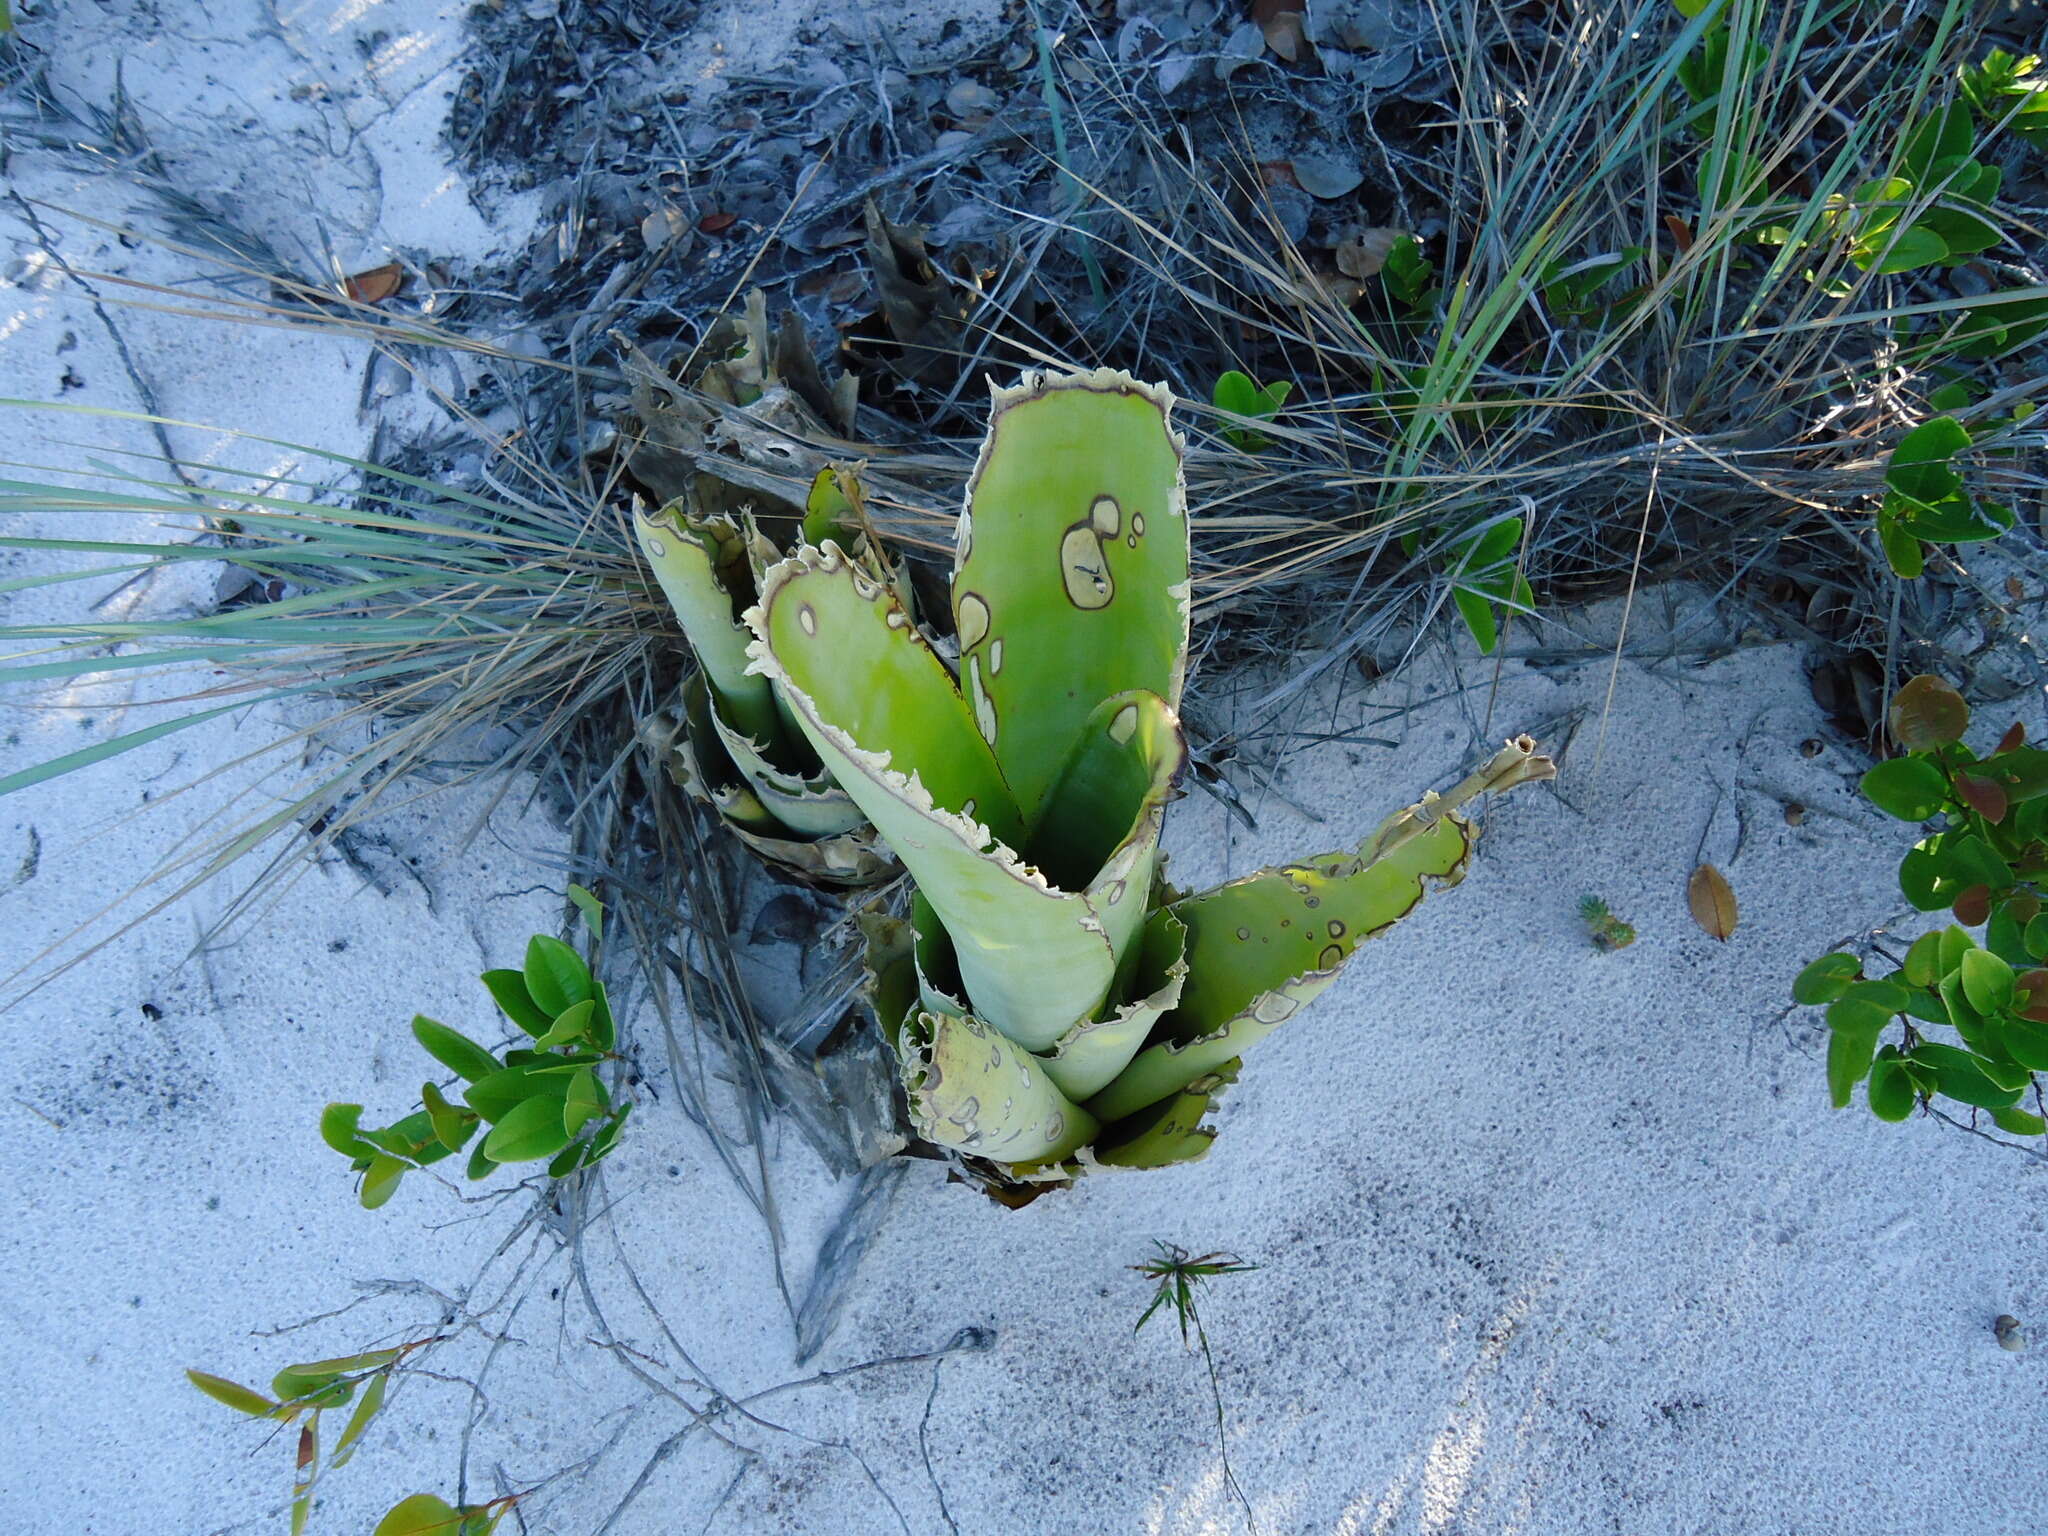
(541, 1100)
(1237, 395)
(301, 1394)
(1987, 867)
(1607, 931)
(1178, 1275)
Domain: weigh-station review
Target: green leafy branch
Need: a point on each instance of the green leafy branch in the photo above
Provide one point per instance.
(541, 1100)
(301, 1394)
(1987, 867)
(1926, 500)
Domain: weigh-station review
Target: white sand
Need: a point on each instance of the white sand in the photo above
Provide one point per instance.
(1552, 1242)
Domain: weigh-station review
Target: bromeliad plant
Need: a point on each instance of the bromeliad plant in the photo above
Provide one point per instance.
(1988, 867)
(1053, 1004)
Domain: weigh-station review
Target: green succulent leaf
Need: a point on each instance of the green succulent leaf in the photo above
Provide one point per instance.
(1169, 1132)
(973, 1088)
(884, 715)
(380, 1180)
(1962, 1075)
(584, 1102)
(571, 1025)
(1987, 981)
(496, 1096)
(367, 1408)
(423, 1514)
(1071, 575)
(1891, 1091)
(2017, 1122)
(508, 990)
(1849, 1056)
(694, 562)
(338, 1128)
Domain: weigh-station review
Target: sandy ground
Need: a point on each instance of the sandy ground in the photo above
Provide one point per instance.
(1550, 1241)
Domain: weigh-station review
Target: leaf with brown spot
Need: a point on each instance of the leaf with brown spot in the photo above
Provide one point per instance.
(1712, 902)
(1926, 713)
(1365, 253)
(1973, 907)
(1681, 232)
(2014, 738)
(375, 285)
(1983, 796)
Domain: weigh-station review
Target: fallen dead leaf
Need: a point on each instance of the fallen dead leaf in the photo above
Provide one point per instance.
(1287, 35)
(1366, 252)
(1264, 11)
(1681, 232)
(717, 223)
(1712, 902)
(375, 285)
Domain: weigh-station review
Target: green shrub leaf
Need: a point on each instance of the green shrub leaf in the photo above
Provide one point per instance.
(508, 988)
(238, 1397)
(556, 976)
(1910, 788)
(1826, 979)
(455, 1051)
(531, 1129)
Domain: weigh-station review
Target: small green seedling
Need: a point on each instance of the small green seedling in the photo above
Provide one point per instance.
(1987, 867)
(301, 1394)
(2009, 92)
(1178, 1273)
(540, 1100)
(1607, 931)
(1926, 500)
(1486, 574)
(1235, 394)
(1578, 290)
(1410, 280)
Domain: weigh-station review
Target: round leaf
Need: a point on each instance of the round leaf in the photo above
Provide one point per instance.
(1910, 788)
(1891, 1091)
(421, 1515)
(1826, 979)
(1987, 981)
(1926, 713)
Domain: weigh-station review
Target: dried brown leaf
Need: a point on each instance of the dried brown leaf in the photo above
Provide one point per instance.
(1712, 901)
(375, 285)
(1926, 713)
(1366, 252)
(1287, 36)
